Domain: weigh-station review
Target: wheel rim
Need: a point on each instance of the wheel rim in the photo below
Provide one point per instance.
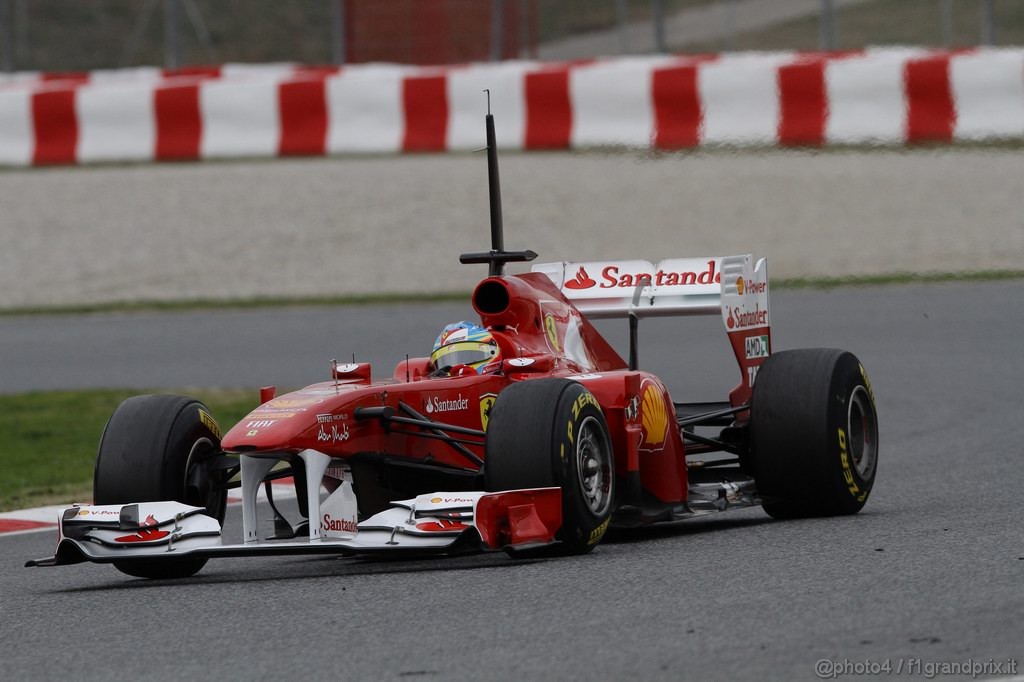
(863, 429)
(199, 483)
(593, 466)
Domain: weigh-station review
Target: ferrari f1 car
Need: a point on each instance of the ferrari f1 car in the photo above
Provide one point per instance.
(526, 433)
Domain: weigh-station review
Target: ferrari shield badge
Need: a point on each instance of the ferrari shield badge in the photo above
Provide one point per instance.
(486, 402)
(552, 331)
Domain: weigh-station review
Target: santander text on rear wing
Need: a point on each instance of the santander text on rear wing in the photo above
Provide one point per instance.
(736, 287)
(675, 286)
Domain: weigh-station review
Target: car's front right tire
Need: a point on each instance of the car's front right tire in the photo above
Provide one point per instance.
(552, 433)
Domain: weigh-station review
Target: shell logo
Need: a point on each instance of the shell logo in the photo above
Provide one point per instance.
(435, 500)
(739, 286)
(655, 417)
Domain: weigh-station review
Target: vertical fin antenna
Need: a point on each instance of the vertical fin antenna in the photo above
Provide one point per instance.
(494, 191)
(497, 256)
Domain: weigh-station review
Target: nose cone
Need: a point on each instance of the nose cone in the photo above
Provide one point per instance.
(294, 421)
(263, 431)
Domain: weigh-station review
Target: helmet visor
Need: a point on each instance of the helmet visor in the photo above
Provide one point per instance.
(463, 353)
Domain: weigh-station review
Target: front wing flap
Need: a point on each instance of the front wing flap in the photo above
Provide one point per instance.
(436, 523)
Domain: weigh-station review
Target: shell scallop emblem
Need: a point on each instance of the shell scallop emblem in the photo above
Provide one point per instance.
(655, 418)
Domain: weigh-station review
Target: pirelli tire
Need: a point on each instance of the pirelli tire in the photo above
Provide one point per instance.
(552, 433)
(813, 433)
(158, 447)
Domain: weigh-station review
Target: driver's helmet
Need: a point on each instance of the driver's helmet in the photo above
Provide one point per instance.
(465, 343)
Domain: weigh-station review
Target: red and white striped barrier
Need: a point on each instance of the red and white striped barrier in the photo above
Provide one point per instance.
(879, 96)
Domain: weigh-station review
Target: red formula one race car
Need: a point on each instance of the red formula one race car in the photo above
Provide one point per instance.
(526, 433)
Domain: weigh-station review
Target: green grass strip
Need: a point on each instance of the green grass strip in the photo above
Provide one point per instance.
(896, 278)
(238, 303)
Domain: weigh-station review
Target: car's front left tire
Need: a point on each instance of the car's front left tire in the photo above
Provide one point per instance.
(813, 433)
(154, 448)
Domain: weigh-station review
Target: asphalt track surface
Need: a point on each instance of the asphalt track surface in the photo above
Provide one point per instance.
(932, 569)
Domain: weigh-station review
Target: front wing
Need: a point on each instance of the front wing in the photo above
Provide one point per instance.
(435, 523)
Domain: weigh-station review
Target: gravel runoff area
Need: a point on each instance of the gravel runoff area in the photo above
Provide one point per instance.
(342, 226)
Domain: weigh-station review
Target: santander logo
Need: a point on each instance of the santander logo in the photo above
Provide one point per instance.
(441, 526)
(613, 277)
(146, 534)
(339, 525)
(740, 318)
(582, 280)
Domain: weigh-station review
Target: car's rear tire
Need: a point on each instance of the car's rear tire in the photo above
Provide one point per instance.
(813, 433)
(153, 448)
(552, 433)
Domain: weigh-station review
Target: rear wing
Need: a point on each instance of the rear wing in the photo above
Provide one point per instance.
(734, 287)
(676, 286)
